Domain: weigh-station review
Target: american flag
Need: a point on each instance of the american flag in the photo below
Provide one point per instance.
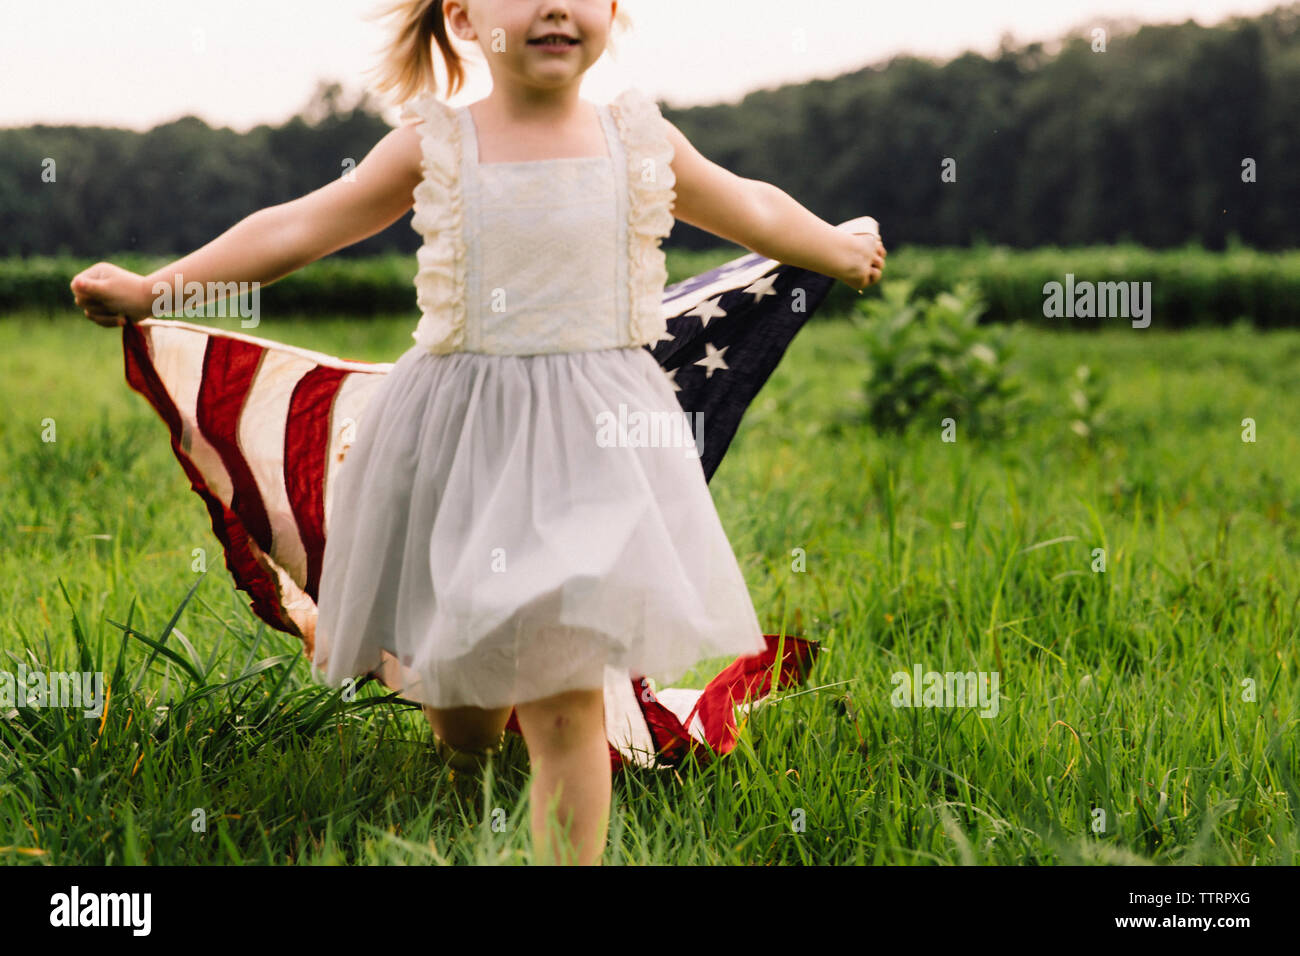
(259, 428)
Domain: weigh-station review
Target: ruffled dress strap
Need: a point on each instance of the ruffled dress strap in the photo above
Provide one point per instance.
(650, 178)
(440, 281)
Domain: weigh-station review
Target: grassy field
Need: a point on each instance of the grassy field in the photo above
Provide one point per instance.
(1146, 713)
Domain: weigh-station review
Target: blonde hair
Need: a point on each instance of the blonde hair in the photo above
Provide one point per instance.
(406, 66)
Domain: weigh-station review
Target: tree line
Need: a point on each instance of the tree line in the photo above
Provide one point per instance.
(1160, 135)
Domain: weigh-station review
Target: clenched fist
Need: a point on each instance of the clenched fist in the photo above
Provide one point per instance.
(868, 254)
(111, 295)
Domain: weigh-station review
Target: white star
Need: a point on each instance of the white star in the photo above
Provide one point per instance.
(762, 287)
(672, 378)
(713, 358)
(664, 336)
(707, 310)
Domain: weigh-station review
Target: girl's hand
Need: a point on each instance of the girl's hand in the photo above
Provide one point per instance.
(870, 250)
(867, 255)
(111, 295)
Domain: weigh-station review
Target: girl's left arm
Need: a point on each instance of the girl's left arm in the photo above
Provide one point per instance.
(765, 219)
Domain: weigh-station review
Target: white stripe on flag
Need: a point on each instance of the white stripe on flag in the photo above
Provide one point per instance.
(680, 700)
(625, 725)
(353, 396)
(682, 302)
(318, 358)
(177, 355)
(262, 423)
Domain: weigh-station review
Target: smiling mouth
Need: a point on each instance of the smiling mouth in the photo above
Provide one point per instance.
(553, 41)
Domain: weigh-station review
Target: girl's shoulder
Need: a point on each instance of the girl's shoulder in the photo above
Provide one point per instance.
(428, 108)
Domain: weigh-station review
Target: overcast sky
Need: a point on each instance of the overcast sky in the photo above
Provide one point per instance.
(237, 63)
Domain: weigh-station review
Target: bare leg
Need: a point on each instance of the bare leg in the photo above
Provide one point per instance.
(569, 754)
(467, 731)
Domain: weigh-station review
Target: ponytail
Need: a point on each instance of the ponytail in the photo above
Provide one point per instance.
(406, 66)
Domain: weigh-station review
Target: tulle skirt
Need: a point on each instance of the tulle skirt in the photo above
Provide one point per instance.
(509, 526)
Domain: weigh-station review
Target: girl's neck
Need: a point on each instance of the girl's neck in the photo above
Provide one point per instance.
(521, 106)
(514, 131)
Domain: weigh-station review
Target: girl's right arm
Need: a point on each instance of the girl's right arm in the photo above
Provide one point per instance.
(275, 241)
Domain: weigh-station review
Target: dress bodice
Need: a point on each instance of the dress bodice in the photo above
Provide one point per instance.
(551, 255)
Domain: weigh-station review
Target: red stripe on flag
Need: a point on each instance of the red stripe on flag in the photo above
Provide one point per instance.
(249, 575)
(672, 742)
(306, 450)
(748, 678)
(229, 367)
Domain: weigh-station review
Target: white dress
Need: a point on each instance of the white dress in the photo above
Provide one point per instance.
(488, 528)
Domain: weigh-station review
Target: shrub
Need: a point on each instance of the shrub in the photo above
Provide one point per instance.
(928, 359)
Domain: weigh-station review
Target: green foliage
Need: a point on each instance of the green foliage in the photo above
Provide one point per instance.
(1144, 143)
(375, 285)
(378, 285)
(929, 359)
(94, 191)
(1086, 392)
(1189, 286)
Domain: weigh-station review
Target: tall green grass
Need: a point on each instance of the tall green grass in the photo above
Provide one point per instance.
(1121, 691)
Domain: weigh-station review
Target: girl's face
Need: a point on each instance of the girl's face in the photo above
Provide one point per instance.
(503, 29)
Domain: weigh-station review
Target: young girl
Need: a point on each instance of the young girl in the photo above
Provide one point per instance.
(482, 532)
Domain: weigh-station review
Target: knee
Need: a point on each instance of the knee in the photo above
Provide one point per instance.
(563, 722)
(467, 729)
